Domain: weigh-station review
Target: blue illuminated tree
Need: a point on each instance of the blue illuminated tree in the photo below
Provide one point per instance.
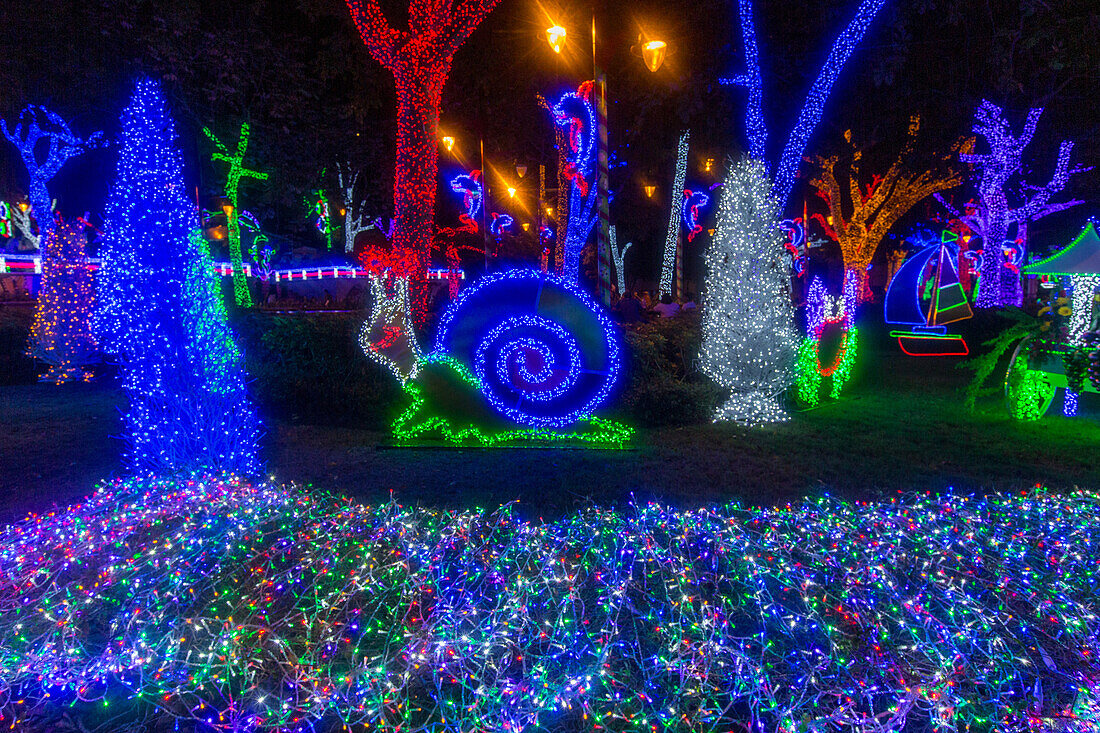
(785, 171)
(160, 311)
(35, 125)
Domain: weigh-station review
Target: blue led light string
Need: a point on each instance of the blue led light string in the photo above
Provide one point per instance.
(524, 344)
(35, 124)
(575, 114)
(160, 311)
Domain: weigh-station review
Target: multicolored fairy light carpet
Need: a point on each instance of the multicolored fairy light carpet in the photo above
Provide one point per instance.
(221, 605)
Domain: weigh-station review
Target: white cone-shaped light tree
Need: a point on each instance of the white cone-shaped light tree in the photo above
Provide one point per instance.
(749, 336)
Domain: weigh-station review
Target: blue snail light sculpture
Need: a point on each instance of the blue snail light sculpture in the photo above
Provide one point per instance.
(544, 353)
(541, 354)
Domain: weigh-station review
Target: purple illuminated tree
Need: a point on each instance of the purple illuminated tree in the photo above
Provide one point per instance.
(786, 169)
(35, 125)
(1006, 202)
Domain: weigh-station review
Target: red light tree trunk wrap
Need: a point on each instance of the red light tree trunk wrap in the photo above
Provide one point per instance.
(420, 60)
(415, 170)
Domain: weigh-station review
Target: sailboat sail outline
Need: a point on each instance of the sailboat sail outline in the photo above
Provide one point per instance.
(908, 302)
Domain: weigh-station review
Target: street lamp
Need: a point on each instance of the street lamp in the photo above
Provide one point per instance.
(521, 170)
(448, 142)
(555, 36)
(650, 189)
(511, 192)
(653, 53)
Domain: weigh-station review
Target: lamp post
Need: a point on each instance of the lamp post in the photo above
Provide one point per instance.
(653, 54)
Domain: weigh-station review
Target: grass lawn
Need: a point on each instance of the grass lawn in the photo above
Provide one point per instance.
(899, 425)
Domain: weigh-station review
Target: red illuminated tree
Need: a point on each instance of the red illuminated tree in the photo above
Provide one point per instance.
(420, 60)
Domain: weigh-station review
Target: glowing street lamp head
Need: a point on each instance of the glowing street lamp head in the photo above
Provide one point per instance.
(511, 192)
(650, 189)
(555, 36)
(653, 52)
(448, 142)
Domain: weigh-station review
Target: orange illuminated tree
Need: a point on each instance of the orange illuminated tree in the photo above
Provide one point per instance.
(420, 60)
(863, 211)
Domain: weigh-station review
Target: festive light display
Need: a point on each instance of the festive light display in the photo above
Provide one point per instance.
(574, 113)
(323, 222)
(35, 125)
(618, 256)
(824, 311)
(786, 171)
(236, 172)
(749, 337)
(234, 607)
(672, 239)
(999, 175)
(420, 60)
(876, 207)
(420, 421)
(796, 244)
(1082, 315)
(19, 221)
(355, 216)
(469, 186)
(544, 354)
(161, 313)
(61, 332)
(925, 294)
(389, 337)
(498, 223)
(694, 201)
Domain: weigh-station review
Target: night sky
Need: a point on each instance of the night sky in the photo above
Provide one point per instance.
(298, 72)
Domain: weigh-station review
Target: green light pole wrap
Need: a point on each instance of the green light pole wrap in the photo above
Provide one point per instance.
(237, 171)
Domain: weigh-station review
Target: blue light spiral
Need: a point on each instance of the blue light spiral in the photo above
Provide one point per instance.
(545, 354)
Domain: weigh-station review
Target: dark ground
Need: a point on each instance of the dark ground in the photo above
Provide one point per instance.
(900, 426)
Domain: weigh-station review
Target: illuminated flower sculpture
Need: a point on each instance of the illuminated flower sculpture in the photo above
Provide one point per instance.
(160, 310)
(61, 334)
(749, 337)
(420, 60)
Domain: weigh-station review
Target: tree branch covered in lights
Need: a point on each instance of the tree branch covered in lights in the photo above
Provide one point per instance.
(1007, 203)
(672, 238)
(420, 60)
(235, 607)
(236, 172)
(160, 310)
(35, 124)
(786, 169)
(618, 256)
(863, 211)
(749, 338)
(355, 216)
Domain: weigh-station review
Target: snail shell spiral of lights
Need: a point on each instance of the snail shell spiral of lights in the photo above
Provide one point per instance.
(545, 354)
